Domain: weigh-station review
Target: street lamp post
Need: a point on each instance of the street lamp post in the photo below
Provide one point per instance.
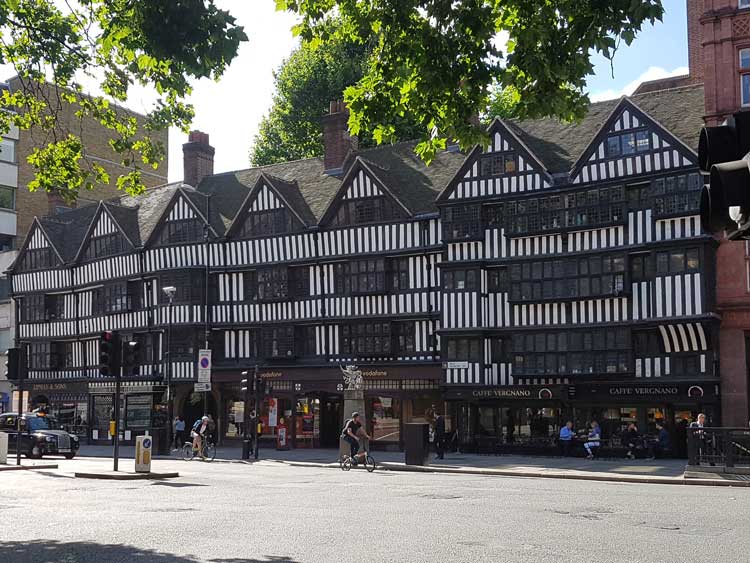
(169, 291)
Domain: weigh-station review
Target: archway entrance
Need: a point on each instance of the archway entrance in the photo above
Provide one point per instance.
(192, 408)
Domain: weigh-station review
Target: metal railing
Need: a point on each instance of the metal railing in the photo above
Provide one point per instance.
(727, 447)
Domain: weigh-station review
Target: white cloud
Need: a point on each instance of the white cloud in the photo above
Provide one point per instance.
(653, 73)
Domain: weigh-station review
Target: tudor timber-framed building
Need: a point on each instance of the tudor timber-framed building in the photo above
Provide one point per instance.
(560, 272)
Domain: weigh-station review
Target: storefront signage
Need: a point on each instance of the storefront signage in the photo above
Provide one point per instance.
(509, 393)
(204, 366)
(661, 390)
(271, 374)
(457, 365)
(67, 387)
(374, 373)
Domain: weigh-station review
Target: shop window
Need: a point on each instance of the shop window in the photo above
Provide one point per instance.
(461, 222)
(386, 419)
(138, 409)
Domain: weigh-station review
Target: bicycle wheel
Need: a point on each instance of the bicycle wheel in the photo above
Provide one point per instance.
(342, 459)
(347, 465)
(209, 452)
(369, 463)
(187, 452)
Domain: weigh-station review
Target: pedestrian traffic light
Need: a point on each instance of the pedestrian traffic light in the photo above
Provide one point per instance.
(130, 353)
(722, 153)
(109, 344)
(246, 389)
(12, 364)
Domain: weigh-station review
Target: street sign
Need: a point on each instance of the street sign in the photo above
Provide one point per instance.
(458, 365)
(201, 387)
(204, 366)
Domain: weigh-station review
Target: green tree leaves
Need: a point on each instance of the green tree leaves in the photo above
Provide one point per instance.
(160, 43)
(436, 60)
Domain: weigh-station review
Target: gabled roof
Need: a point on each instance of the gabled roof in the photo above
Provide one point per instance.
(113, 211)
(559, 144)
(67, 231)
(149, 207)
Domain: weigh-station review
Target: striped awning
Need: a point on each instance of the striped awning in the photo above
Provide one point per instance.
(685, 337)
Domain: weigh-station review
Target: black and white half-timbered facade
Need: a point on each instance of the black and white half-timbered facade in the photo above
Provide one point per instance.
(559, 272)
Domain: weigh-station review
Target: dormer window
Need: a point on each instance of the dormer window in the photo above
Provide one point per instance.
(182, 231)
(106, 245)
(268, 222)
(366, 210)
(498, 164)
(37, 259)
(626, 144)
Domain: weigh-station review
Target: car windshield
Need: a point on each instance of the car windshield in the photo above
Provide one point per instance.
(35, 423)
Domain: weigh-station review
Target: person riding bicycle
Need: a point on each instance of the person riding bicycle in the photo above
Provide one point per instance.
(350, 435)
(199, 432)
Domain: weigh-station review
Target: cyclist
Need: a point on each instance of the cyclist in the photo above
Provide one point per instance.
(350, 434)
(198, 433)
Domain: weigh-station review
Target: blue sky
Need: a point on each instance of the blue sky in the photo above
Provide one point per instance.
(231, 110)
(659, 50)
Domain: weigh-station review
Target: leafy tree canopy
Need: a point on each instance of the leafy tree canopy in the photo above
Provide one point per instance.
(119, 43)
(436, 60)
(305, 84)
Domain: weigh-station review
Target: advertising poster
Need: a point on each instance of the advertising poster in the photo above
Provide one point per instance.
(273, 412)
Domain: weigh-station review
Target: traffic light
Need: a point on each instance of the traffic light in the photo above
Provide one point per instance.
(246, 390)
(725, 201)
(109, 347)
(130, 354)
(13, 364)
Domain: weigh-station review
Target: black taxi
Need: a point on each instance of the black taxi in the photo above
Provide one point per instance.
(40, 435)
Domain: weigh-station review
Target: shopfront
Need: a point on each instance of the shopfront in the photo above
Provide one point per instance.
(309, 403)
(528, 419)
(66, 402)
(141, 410)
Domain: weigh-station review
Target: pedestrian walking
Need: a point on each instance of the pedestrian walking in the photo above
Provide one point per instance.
(592, 443)
(179, 431)
(439, 436)
(566, 437)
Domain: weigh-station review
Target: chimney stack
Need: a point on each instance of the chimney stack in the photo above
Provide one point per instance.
(336, 139)
(695, 9)
(197, 158)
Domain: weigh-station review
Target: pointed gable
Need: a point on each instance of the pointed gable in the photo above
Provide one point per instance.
(105, 238)
(272, 207)
(37, 252)
(364, 198)
(505, 166)
(181, 222)
(630, 143)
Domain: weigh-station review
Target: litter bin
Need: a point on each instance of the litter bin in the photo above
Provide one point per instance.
(416, 443)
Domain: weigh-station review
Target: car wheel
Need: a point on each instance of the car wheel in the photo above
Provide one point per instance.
(70, 456)
(35, 453)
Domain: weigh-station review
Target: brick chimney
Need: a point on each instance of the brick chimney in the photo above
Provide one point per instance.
(337, 141)
(695, 9)
(197, 158)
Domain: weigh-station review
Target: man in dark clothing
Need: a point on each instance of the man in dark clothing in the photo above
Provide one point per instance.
(663, 441)
(632, 440)
(349, 433)
(439, 435)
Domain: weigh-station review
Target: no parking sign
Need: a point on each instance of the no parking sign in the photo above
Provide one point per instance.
(204, 366)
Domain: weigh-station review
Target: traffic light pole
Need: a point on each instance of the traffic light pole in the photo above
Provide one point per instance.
(117, 417)
(256, 383)
(21, 377)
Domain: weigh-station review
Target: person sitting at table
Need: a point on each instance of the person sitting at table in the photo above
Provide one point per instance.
(566, 437)
(632, 440)
(594, 436)
(663, 442)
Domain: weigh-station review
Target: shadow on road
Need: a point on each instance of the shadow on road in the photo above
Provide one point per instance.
(176, 485)
(48, 551)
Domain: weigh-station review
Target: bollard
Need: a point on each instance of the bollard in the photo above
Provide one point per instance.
(3, 447)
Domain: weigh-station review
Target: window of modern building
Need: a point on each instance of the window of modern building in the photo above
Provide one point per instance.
(106, 245)
(370, 339)
(182, 231)
(629, 143)
(460, 280)
(7, 150)
(498, 164)
(6, 338)
(378, 209)
(461, 222)
(4, 289)
(571, 353)
(463, 349)
(7, 197)
(7, 242)
(277, 342)
(269, 222)
(569, 278)
(360, 277)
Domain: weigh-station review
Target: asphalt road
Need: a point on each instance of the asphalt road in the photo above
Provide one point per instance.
(240, 513)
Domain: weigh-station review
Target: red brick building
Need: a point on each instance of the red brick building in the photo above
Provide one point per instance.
(719, 57)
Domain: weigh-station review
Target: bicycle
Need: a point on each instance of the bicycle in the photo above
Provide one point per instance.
(346, 462)
(208, 450)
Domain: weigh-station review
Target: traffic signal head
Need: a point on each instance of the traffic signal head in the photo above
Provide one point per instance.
(722, 153)
(108, 353)
(130, 353)
(12, 364)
